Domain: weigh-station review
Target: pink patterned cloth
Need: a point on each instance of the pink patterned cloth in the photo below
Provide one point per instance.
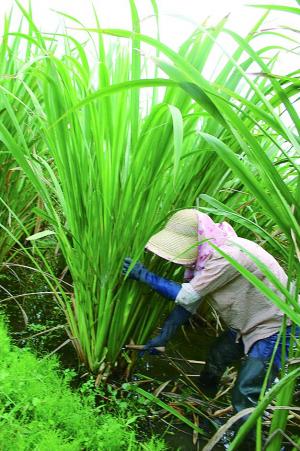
(216, 233)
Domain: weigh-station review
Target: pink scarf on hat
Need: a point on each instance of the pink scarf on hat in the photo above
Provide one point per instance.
(214, 233)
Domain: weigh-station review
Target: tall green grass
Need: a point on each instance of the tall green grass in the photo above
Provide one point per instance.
(16, 192)
(108, 174)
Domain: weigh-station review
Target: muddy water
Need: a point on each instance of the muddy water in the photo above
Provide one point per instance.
(34, 318)
(175, 368)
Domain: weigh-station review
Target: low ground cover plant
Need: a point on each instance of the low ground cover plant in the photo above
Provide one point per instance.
(40, 412)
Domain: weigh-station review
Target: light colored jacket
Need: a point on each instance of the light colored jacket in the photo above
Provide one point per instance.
(242, 306)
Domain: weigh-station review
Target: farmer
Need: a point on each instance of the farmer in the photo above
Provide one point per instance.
(191, 239)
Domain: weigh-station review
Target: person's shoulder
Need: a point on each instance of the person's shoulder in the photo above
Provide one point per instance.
(234, 244)
(252, 247)
(241, 243)
(244, 250)
(237, 248)
(230, 247)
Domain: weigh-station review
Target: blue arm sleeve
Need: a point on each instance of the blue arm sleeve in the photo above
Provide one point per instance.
(167, 288)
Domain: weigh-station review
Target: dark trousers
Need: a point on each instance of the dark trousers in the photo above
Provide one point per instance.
(247, 387)
(226, 351)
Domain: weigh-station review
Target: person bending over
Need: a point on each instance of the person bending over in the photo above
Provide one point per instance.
(253, 320)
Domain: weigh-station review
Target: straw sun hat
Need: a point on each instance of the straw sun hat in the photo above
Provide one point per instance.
(177, 241)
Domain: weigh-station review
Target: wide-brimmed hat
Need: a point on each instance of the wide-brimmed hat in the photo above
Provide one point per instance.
(177, 241)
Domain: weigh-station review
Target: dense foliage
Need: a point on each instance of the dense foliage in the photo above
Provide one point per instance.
(39, 411)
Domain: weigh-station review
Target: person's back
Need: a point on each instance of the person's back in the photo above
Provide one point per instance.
(242, 306)
(190, 238)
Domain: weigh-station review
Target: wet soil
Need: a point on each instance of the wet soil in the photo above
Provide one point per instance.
(34, 318)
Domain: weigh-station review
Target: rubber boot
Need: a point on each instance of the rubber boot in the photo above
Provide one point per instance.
(224, 352)
(246, 392)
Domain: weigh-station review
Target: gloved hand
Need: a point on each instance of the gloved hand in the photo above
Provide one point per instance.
(137, 270)
(151, 345)
(177, 317)
(166, 288)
